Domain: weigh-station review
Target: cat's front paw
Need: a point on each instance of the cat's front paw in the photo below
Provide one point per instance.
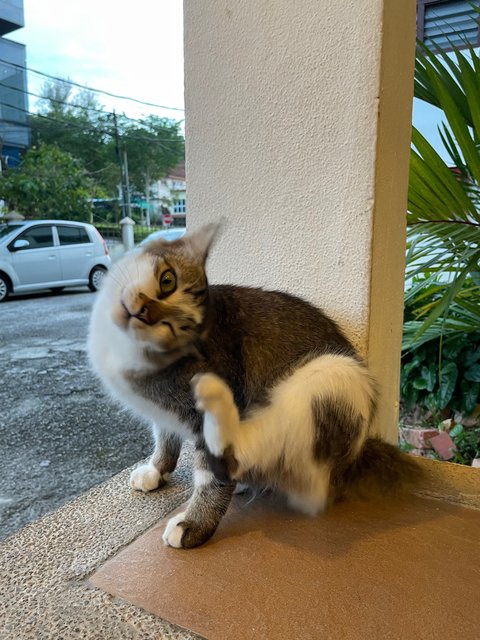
(183, 533)
(211, 393)
(147, 478)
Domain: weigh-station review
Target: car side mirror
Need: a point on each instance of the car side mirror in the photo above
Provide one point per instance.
(20, 244)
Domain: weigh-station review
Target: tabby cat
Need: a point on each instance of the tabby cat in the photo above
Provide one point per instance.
(268, 387)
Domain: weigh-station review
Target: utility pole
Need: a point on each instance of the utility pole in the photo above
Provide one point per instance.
(122, 161)
(127, 184)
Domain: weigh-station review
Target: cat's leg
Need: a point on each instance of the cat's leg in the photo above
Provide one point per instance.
(205, 509)
(313, 498)
(253, 441)
(316, 419)
(163, 461)
(221, 421)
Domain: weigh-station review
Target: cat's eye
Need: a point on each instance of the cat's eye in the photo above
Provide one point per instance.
(168, 282)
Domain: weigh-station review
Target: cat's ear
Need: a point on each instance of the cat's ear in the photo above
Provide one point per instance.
(200, 241)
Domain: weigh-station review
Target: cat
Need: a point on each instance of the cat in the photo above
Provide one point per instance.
(269, 388)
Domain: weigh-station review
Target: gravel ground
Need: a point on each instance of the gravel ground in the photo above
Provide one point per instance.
(59, 433)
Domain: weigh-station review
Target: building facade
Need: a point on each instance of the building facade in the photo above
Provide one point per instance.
(14, 131)
(168, 197)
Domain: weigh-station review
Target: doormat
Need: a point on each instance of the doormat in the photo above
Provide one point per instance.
(405, 569)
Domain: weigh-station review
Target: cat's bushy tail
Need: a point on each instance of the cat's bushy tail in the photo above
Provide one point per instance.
(379, 470)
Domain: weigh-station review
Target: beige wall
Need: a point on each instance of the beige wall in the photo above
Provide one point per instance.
(297, 124)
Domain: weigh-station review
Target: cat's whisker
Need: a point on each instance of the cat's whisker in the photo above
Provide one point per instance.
(123, 272)
(112, 274)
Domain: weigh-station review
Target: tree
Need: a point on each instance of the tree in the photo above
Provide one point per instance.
(443, 202)
(77, 123)
(154, 146)
(49, 183)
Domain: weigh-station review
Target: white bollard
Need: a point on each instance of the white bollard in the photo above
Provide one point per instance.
(127, 233)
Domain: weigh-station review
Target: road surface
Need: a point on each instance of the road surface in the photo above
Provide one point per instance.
(59, 433)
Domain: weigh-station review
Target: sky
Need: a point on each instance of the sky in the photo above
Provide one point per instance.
(127, 48)
(131, 49)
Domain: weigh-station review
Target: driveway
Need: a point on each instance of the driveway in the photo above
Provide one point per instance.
(59, 433)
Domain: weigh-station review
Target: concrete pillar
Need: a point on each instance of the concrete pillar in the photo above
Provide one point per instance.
(298, 128)
(127, 233)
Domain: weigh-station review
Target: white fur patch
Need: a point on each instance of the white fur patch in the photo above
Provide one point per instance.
(214, 437)
(173, 533)
(145, 478)
(202, 477)
(315, 498)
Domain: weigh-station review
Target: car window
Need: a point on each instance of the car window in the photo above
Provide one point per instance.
(38, 237)
(72, 235)
(6, 229)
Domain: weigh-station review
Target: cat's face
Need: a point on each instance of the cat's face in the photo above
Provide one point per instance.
(160, 293)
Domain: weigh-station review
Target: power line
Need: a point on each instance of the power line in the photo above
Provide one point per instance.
(83, 86)
(68, 104)
(82, 127)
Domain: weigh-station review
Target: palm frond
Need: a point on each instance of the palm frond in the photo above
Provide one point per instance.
(443, 251)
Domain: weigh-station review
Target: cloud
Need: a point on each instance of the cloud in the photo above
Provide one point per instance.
(128, 49)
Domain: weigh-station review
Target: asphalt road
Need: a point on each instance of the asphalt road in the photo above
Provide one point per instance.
(59, 433)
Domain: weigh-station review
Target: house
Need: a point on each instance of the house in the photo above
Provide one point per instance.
(168, 197)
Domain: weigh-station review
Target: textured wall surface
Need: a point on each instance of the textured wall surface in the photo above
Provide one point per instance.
(282, 112)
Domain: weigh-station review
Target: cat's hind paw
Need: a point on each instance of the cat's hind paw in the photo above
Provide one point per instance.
(220, 423)
(147, 478)
(211, 393)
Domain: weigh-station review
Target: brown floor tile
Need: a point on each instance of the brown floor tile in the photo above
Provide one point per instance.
(404, 570)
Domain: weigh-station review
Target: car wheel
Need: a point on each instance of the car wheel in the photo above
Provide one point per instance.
(4, 288)
(95, 280)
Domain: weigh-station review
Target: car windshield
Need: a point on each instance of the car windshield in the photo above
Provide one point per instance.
(5, 229)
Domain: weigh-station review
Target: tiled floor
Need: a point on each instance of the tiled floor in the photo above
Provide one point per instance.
(404, 570)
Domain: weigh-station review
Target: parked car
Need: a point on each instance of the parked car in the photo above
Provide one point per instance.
(50, 254)
(165, 234)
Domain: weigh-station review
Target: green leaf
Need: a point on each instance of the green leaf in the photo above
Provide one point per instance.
(456, 431)
(419, 383)
(408, 368)
(442, 306)
(470, 396)
(453, 346)
(410, 397)
(432, 181)
(448, 379)
(430, 376)
(473, 373)
(472, 356)
(431, 402)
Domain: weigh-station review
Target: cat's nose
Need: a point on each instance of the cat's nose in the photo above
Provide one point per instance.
(144, 315)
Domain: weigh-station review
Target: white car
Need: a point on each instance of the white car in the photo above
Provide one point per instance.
(50, 254)
(165, 234)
